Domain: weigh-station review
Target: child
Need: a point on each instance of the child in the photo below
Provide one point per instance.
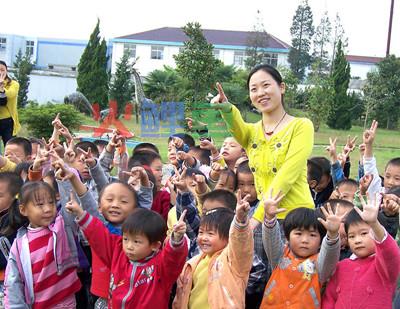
(231, 151)
(299, 271)
(41, 269)
(346, 190)
(17, 150)
(217, 278)
(368, 278)
(260, 271)
(321, 187)
(142, 275)
(219, 198)
(227, 180)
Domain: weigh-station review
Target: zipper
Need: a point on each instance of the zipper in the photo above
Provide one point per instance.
(130, 286)
(55, 251)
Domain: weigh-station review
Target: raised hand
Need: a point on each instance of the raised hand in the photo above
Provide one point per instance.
(365, 181)
(209, 145)
(69, 152)
(47, 145)
(179, 228)
(350, 144)
(332, 220)
(271, 205)
(182, 156)
(179, 180)
(177, 142)
(62, 172)
(115, 141)
(391, 204)
(73, 206)
(87, 157)
(194, 124)
(242, 207)
(369, 135)
(370, 210)
(220, 101)
(41, 157)
(331, 149)
(138, 177)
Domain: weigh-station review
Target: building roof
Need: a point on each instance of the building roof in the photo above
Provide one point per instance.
(215, 37)
(363, 59)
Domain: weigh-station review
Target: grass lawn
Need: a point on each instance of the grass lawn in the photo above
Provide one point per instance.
(387, 144)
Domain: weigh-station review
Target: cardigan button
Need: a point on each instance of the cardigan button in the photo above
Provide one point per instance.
(278, 145)
(254, 146)
(253, 169)
(274, 170)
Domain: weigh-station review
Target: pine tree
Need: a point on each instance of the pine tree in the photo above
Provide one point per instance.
(24, 68)
(339, 114)
(321, 42)
(92, 69)
(121, 87)
(196, 63)
(302, 31)
(257, 42)
(338, 35)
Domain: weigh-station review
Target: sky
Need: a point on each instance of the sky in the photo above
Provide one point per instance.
(365, 21)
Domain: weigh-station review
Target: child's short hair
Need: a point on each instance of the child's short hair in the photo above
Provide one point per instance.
(349, 182)
(23, 142)
(100, 142)
(85, 145)
(35, 140)
(147, 147)
(324, 163)
(30, 192)
(226, 198)
(334, 203)
(187, 139)
(219, 220)
(394, 162)
(204, 154)
(229, 173)
(123, 184)
(352, 218)
(145, 222)
(243, 168)
(314, 171)
(302, 218)
(144, 157)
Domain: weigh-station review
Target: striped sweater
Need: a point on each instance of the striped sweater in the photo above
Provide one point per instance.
(50, 288)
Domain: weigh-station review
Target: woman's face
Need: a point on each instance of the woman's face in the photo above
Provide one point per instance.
(3, 69)
(265, 92)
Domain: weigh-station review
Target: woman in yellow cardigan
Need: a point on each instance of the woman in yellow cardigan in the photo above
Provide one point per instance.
(278, 146)
(9, 123)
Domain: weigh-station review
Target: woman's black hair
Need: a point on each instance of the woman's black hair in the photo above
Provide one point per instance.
(123, 184)
(302, 218)
(219, 220)
(15, 219)
(5, 64)
(145, 222)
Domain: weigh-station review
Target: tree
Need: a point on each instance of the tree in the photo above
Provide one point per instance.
(121, 87)
(382, 92)
(321, 42)
(291, 83)
(339, 114)
(196, 63)
(24, 68)
(163, 85)
(92, 76)
(257, 42)
(338, 35)
(320, 98)
(302, 31)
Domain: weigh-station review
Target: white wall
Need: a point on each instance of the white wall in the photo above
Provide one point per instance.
(361, 69)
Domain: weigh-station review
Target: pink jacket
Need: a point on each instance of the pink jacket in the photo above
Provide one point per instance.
(367, 282)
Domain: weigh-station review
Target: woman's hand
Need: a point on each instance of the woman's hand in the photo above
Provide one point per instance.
(271, 205)
(220, 101)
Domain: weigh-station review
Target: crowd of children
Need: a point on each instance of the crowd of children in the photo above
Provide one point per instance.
(79, 230)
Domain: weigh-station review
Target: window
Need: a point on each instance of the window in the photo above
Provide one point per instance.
(271, 59)
(157, 52)
(3, 44)
(130, 49)
(216, 53)
(30, 45)
(238, 58)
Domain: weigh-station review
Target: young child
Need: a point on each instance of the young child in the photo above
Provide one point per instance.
(346, 190)
(227, 180)
(231, 151)
(17, 150)
(299, 271)
(322, 186)
(142, 275)
(42, 266)
(368, 278)
(217, 278)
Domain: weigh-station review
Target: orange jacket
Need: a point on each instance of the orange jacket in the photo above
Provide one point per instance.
(228, 272)
(294, 284)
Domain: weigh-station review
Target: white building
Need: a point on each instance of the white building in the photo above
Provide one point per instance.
(155, 48)
(360, 66)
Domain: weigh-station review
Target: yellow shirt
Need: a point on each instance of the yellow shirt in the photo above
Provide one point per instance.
(199, 295)
(279, 163)
(10, 110)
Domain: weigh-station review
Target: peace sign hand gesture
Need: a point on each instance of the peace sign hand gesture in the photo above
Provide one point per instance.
(87, 157)
(369, 135)
(332, 220)
(271, 205)
(72, 206)
(242, 207)
(179, 228)
(220, 101)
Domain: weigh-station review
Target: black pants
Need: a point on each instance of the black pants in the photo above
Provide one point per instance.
(6, 129)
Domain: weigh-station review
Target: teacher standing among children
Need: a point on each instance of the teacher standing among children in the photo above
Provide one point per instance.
(278, 146)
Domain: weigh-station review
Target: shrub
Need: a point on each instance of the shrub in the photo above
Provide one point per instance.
(38, 118)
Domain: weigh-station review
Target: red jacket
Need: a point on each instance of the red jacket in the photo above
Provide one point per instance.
(140, 284)
(162, 203)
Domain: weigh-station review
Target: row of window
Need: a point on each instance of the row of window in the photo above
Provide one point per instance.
(157, 52)
(29, 46)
